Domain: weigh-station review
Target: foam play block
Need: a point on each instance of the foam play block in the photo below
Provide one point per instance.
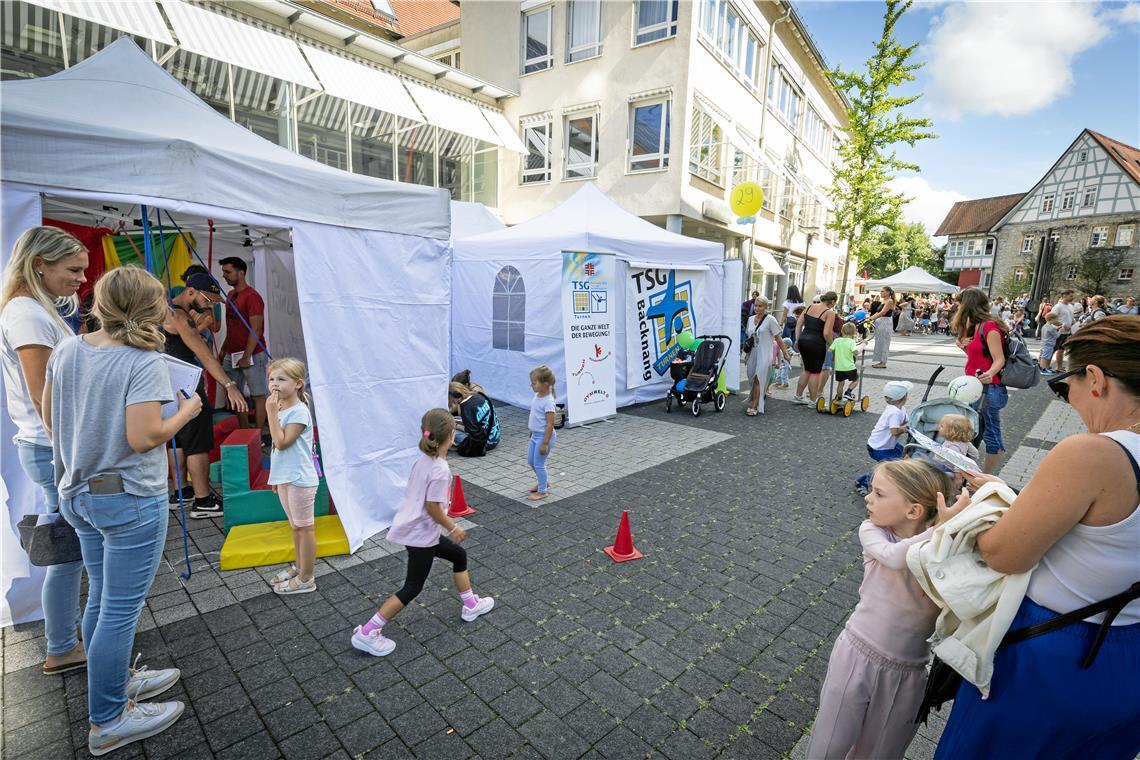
(245, 488)
(272, 543)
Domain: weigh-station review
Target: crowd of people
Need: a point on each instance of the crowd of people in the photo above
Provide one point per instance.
(1076, 538)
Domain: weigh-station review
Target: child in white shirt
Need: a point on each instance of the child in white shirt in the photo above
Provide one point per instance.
(882, 444)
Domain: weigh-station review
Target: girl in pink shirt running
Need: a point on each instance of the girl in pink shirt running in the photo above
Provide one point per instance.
(422, 525)
(877, 672)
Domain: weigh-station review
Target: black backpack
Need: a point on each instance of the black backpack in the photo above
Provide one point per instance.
(1020, 371)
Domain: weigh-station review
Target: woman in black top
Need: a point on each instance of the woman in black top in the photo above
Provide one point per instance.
(814, 331)
(884, 328)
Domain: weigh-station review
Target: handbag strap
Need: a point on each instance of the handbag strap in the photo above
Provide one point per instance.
(1112, 606)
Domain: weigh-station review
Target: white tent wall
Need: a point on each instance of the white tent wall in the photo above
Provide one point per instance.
(20, 580)
(505, 374)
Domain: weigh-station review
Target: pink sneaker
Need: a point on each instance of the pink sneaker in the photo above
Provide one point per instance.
(483, 606)
(375, 643)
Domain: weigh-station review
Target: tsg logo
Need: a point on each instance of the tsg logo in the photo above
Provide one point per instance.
(664, 309)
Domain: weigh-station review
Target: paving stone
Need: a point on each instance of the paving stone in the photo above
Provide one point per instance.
(553, 737)
(316, 741)
(364, 734)
(232, 728)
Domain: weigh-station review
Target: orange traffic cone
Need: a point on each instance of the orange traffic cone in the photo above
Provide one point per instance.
(458, 507)
(622, 549)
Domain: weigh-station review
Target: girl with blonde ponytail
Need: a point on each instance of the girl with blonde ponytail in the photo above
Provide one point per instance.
(103, 399)
(40, 281)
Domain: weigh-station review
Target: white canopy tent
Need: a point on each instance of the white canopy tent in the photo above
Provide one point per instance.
(589, 221)
(913, 280)
(370, 258)
(468, 219)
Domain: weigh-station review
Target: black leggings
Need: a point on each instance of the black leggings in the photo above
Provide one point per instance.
(420, 560)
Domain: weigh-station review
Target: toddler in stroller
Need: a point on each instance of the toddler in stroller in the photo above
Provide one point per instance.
(949, 422)
(700, 379)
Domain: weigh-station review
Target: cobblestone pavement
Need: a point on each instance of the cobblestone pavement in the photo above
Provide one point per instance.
(714, 644)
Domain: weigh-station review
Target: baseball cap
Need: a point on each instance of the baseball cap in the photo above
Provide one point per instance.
(897, 389)
(203, 282)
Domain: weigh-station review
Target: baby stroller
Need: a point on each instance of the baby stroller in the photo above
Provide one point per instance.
(696, 380)
(925, 417)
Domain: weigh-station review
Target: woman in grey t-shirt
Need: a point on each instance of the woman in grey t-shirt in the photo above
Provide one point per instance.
(103, 402)
(43, 275)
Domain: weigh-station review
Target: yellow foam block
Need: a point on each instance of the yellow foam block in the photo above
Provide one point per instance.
(271, 543)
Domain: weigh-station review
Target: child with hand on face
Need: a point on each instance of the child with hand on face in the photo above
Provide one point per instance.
(876, 675)
(292, 471)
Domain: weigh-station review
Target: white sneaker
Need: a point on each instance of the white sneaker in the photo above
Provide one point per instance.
(145, 683)
(483, 606)
(799, 400)
(375, 643)
(139, 720)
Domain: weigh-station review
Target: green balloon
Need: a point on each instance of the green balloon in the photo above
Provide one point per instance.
(685, 340)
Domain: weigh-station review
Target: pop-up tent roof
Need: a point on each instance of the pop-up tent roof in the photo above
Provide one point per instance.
(137, 129)
(914, 280)
(590, 221)
(469, 219)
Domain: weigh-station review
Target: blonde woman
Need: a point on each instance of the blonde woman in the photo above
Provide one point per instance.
(103, 398)
(43, 275)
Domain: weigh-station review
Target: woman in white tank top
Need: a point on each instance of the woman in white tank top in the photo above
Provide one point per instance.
(1076, 525)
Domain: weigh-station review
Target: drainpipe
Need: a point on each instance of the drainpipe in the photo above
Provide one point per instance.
(782, 281)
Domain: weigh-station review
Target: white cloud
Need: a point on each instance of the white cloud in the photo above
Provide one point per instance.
(1009, 58)
(927, 204)
(1129, 14)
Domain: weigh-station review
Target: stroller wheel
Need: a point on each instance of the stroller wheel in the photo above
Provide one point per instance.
(820, 404)
(848, 408)
(668, 404)
(719, 402)
(696, 407)
(865, 404)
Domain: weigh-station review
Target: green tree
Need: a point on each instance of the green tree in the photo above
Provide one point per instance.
(1098, 267)
(893, 249)
(876, 127)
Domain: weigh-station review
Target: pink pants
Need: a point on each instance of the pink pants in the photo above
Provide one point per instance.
(297, 501)
(867, 705)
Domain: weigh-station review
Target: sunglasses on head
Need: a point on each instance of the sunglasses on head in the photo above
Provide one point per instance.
(1060, 387)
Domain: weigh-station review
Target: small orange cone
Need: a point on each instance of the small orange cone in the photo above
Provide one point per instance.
(622, 549)
(458, 507)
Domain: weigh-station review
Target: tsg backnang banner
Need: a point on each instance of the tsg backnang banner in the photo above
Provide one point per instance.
(660, 303)
(588, 336)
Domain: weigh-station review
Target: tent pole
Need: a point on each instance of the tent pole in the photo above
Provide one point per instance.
(63, 39)
(230, 87)
(148, 259)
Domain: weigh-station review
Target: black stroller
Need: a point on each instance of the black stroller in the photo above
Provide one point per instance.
(698, 380)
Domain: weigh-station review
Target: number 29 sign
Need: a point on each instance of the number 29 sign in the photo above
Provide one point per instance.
(745, 200)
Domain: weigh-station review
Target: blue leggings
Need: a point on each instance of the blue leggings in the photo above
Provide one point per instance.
(1043, 704)
(879, 455)
(536, 460)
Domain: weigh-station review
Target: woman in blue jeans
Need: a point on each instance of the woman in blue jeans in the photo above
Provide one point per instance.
(40, 284)
(982, 336)
(103, 401)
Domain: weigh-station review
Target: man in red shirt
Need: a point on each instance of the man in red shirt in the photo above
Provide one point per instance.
(243, 352)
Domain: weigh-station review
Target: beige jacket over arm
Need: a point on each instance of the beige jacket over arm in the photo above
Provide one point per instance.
(978, 604)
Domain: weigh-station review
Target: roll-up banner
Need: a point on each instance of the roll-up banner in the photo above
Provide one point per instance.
(588, 336)
(660, 304)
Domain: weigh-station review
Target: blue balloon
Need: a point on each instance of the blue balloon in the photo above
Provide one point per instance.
(860, 315)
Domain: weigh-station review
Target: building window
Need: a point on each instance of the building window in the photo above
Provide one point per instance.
(1124, 235)
(768, 186)
(656, 20)
(955, 249)
(536, 40)
(1027, 244)
(536, 165)
(581, 148)
(1068, 198)
(783, 97)
(649, 135)
(1125, 274)
(991, 245)
(1099, 237)
(583, 29)
(1019, 274)
(508, 311)
(817, 135)
(704, 156)
(987, 276)
(450, 58)
(383, 7)
(729, 36)
(1071, 272)
(1047, 203)
(787, 197)
(1083, 156)
(1089, 198)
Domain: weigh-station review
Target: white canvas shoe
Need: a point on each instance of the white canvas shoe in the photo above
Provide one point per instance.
(483, 606)
(146, 683)
(375, 643)
(140, 720)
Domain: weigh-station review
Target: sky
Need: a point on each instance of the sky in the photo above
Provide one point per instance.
(1009, 86)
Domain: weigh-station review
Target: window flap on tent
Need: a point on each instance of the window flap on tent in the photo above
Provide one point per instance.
(216, 36)
(509, 139)
(362, 84)
(139, 17)
(451, 113)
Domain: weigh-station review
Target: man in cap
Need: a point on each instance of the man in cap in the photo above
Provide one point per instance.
(184, 342)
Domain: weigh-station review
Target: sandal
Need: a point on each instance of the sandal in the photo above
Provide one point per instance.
(284, 576)
(751, 412)
(536, 496)
(296, 586)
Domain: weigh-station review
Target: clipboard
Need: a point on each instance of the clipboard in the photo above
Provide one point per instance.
(184, 377)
